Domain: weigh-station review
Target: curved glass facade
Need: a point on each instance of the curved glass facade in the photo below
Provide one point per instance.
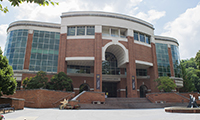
(109, 66)
(163, 60)
(44, 52)
(176, 61)
(15, 48)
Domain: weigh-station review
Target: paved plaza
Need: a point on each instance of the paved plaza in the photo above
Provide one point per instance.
(114, 114)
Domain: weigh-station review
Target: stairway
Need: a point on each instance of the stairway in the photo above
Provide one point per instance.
(129, 103)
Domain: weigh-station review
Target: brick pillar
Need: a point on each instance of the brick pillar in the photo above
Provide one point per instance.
(131, 69)
(171, 62)
(98, 62)
(122, 84)
(28, 49)
(62, 64)
(153, 71)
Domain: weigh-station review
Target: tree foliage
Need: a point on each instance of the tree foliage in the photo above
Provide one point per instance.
(18, 2)
(60, 81)
(197, 58)
(8, 84)
(38, 81)
(165, 84)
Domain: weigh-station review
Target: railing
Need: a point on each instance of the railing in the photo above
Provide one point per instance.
(151, 99)
(78, 95)
(62, 99)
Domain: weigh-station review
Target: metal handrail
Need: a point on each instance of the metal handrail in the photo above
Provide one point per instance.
(62, 98)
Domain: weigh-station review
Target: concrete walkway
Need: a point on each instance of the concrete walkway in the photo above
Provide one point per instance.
(115, 114)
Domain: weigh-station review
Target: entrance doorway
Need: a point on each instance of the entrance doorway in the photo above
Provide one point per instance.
(110, 88)
(84, 87)
(143, 91)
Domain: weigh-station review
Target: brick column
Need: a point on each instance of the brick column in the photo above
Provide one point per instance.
(28, 49)
(98, 61)
(153, 71)
(62, 64)
(131, 69)
(171, 62)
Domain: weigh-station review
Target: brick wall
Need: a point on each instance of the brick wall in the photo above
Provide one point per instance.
(89, 97)
(18, 104)
(143, 53)
(41, 98)
(170, 97)
(80, 48)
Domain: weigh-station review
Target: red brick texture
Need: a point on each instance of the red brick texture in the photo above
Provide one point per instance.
(131, 68)
(171, 62)
(170, 97)
(62, 65)
(98, 60)
(18, 104)
(77, 81)
(80, 48)
(40, 98)
(89, 97)
(28, 51)
(105, 42)
(153, 71)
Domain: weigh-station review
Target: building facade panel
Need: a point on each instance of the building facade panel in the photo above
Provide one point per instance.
(100, 51)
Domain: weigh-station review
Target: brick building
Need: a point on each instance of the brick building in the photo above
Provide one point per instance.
(99, 51)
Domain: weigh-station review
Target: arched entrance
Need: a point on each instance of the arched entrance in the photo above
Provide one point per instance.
(143, 91)
(84, 87)
(109, 67)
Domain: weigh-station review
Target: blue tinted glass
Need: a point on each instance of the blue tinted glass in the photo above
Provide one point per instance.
(163, 60)
(15, 48)
(176, 61)
(44, 47)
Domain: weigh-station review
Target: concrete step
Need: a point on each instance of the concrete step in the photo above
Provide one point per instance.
(129, 103)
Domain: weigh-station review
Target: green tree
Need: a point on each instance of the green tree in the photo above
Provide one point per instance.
(188, 84)
(192, 75)
(189, 63)
(8, 84)
(18, 2)
(38, 81)
(197, 58)
(165, 84)
(60, 81)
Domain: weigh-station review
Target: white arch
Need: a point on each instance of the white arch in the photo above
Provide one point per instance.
(118, 50)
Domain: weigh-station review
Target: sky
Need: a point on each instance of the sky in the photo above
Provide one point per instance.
(179, 19)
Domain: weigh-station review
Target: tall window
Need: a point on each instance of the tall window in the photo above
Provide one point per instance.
(176, 61)
(163, 60)
(44, 52)
(71, 31)
(109, 66)
(90, 30)
(81, 30)
(16, 47)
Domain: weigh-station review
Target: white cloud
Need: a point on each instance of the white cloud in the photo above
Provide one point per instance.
(186, 29)
(3, 34)
(151, 15)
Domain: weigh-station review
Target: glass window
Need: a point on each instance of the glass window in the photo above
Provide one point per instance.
(176, 61)
(78, 69)
(42, 57)
(70, 31)
(114, 33)
(142, 38)
(163, 60)
(148, 39)
(109, 66)
(105, 31)
(122, 33)
(136, 36)
(15, 48)
(90, 30)
(81, 30)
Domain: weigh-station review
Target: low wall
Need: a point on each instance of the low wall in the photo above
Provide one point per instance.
(170, 97)
(89, 97)
(42, 98)
(18, 104)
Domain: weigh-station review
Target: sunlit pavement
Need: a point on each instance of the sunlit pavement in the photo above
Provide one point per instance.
(114, 114)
